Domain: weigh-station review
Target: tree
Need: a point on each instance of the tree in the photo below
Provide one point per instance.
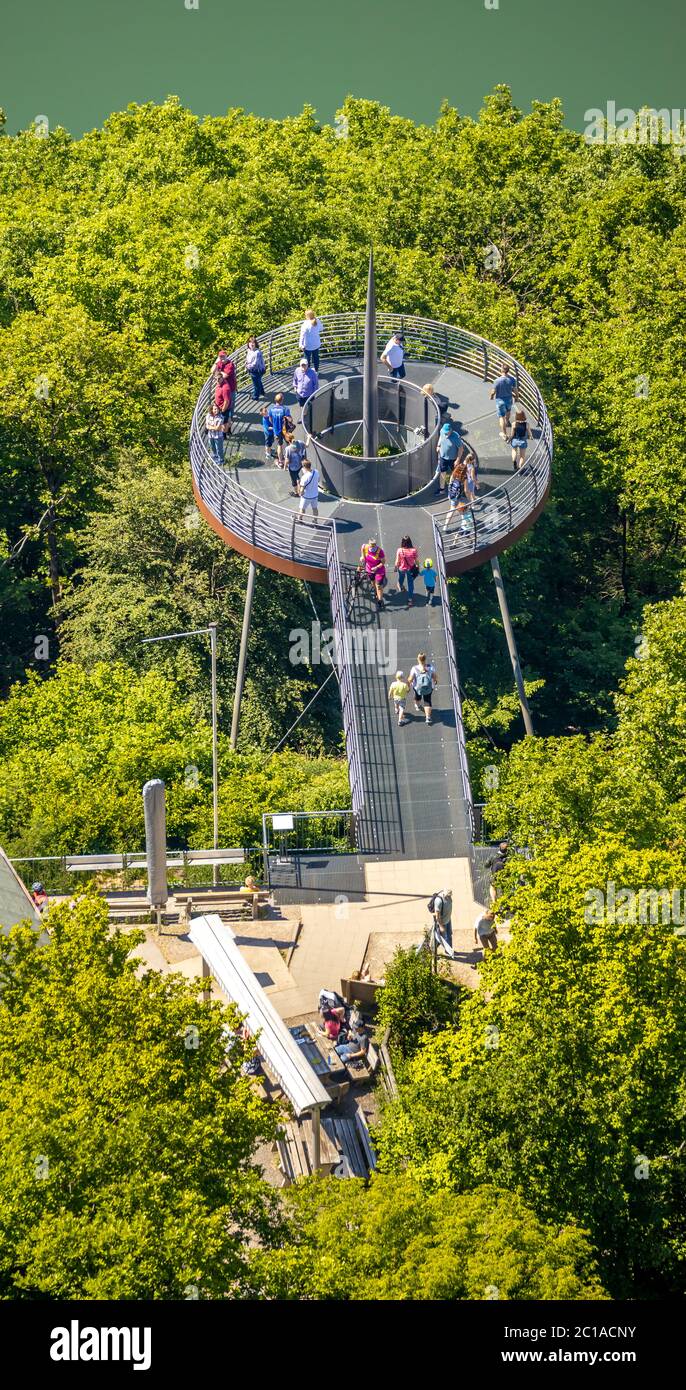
(76, 750)
(391, 1240)
(127, 1127)
(414, 1001)
(566, 1079)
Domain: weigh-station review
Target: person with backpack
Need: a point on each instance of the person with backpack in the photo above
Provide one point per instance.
(308, 488)
(294, 455)
(255, 366)
(429, 576)
(451, 449)
(521, 434)
(398, 692)
(406, 567)
(496, 864)
(373, 559)
(280, 420)
(305, 382)
(423, 682)
(310, 339)
(214, 425)
(441, 909)
(503, 393)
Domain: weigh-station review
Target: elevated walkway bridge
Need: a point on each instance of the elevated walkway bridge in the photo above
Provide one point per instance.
(410, 786)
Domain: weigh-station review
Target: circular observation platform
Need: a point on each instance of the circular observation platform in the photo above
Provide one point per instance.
(248, 501)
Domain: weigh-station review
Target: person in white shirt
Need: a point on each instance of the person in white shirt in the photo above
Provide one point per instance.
(308, 488)
(423, 682)
(393, 356)
(310, 340)
(485, 933)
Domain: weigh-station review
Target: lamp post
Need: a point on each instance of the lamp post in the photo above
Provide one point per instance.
(211, 632)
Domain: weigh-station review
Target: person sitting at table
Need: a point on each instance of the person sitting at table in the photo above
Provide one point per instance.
(332, 1026)
(355, 1048)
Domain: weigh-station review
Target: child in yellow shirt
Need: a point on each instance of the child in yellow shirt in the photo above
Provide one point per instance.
(398, 693)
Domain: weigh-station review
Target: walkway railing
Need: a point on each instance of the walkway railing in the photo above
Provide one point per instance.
(341, 655)
(454, 679)
(273, 528)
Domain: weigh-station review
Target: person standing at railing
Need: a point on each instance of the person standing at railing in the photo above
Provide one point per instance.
(214, 424)
(503, 393)
(521, 434)
(223, 399)
(305, 382)
(471, 482)
(393, 356)
(255, 366)
(407, 567)
(310, 339)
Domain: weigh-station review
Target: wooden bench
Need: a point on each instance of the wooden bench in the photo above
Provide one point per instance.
(295, 1148)
(352, 1154)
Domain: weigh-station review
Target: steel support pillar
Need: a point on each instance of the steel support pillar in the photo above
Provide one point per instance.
(242, 655)
(511, 644)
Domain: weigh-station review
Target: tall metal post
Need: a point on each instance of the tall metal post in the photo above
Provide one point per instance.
(511, 644)
(370, 390)
(212, 629)
(245, 633)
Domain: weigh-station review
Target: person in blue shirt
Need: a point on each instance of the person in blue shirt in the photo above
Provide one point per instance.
(503, 393)
(279, 418)
(429, 577)
(450, 450)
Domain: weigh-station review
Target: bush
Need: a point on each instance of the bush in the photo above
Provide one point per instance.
(414, 1001)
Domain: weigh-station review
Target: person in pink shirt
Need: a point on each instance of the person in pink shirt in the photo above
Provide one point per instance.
(407, 567)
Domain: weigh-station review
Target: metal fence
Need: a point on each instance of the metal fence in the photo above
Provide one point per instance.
(332, 418)
(454, 681)
(342, 647)
(313, 831)
(273, 528)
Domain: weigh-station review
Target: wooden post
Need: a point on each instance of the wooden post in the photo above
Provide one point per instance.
(316, 1139)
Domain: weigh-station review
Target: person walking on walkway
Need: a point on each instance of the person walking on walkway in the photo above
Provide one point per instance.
(406, 567)
(305, 382)
(456, 491)
(279, 417)
(295, 457)
(393, 356)
(521, 434)
(451, 450)
(398, 692)
(423, 682)
(214, 425)
(485, 933)
(374, 560)
(429, 577)
(442, 912)
(471, 482)
(255, 367)
(223, 399)
(503, 393)
(308, 487)
(310, 339)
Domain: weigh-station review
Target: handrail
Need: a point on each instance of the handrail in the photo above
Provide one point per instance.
(502, 510)
(353, 743)
(454, 680)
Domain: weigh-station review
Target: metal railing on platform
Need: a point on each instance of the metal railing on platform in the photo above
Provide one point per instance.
(454, 680)
(342, 648)
(273, 528)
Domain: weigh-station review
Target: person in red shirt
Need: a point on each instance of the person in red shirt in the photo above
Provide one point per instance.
(223, 399)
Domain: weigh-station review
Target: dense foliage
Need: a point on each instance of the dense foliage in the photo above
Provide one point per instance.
(127, 1129)
(394, 1241)
(544, 1120)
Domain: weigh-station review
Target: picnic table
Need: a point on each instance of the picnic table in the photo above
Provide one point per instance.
(323, 1059)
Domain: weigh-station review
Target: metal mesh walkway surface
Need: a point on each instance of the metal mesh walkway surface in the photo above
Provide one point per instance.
(412, 802)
